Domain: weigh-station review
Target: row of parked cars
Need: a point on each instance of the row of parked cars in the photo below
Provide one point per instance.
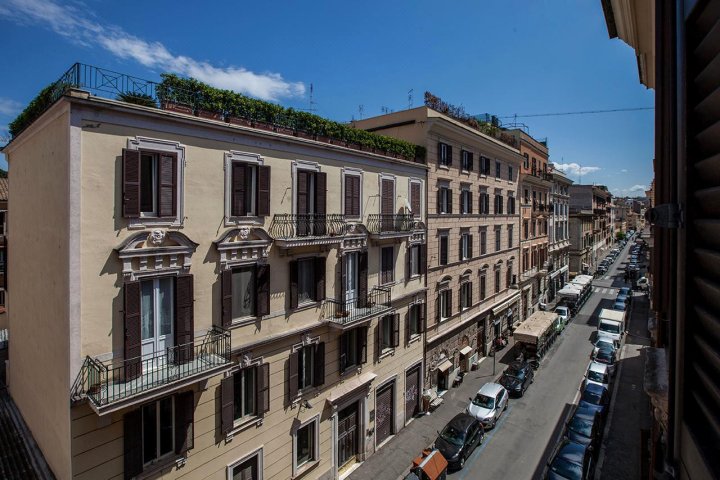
(466, 431)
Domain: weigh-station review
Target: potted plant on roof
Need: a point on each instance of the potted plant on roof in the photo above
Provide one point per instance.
(305, 125)
(174, 94)
(284, 122)
(210, 103)
(240, 110)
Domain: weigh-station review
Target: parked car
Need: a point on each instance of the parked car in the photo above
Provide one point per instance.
(604, 342)
(517, 378)
(584, 429)
(563, 313)
(571, 461)
(489, 403)
(632, 267)
(642, 283)
(595, 397)
(602, 269)
(607, 357)
(625, 291)
(619, 305)
(623, 298)
(597, 373)
(458, 439)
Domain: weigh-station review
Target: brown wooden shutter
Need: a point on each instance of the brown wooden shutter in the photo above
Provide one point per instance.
(379, 338)
(319, 366)
(387, 197)
(262, 298)
(438, 208)
(133, 337)
(470, 206)
(450, 298)
(132, 440)
(408, 333)
(237, 203)
(449, 155)
(348, 195)
(421, 316)
(263, 388)
(319, 279)
(443, 251)
(439, 153)
(131, 183)
(470, 246)
(320, 192)
(423, 259)
(362, 344)
(302, 192)
(415, 202)
(293, 284)
(460, 247)
(227, 404)
(184, 321)
(362, 279)
(226, 294)
(470, 161)
(356, 196)
(343, 278)
(293, 374)
(167, 185)
(184, 417)
(449, 200)
(396, 331)
(263, 193)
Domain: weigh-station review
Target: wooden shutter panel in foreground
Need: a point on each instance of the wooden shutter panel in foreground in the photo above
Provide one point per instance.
(184, 321)
(263, 193)
(227, 403)
(293, 374)
(133, 345)
(262, 298)
(167, 175)
(132, 440)
(184, 417)
(226, 294)
(263, 388)
(320, 192)
(131, 183)
(319, 366)
(362, 279)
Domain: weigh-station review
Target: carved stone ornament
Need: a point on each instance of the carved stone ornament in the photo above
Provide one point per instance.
(156, 237)
(306, 339)
(245, 360)
(244, 233)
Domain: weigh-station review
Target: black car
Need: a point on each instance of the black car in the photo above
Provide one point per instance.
(517, 378)
(595, 397)
(584, 429)
(607, 357)
(459, 438)
(571, 461)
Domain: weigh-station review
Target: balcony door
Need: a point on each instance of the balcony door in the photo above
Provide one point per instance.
(156, 319)
(310, 203)
(351, 279)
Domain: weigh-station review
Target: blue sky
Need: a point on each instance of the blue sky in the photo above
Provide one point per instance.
(504, 57)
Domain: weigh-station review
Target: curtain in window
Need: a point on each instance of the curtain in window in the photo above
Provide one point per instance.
(243, 285)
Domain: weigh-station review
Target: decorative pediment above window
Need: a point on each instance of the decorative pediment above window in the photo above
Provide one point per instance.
(156, 251)
(355, 238)
(417, 237)
(243, 245)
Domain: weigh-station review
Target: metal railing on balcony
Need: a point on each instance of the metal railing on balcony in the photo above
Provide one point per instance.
(390, 223)
(288, 226)
(105, 383)
(354, 309)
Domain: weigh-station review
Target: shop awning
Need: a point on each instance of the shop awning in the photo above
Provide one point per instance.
(445, 366)
(466, 351)
(502, 306)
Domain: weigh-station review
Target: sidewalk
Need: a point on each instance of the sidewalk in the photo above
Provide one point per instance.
(393, 460)
(621, 453)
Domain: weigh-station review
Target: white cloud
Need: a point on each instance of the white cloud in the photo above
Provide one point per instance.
(9, 107)
(74, 25)
(637, 188)
(574, 168)
(624, 170)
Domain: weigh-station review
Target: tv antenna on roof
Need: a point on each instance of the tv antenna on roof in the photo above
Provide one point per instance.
(312, 108)
(361, 110)
(410, 98)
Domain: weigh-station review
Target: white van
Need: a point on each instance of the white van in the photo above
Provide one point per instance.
(611, 323)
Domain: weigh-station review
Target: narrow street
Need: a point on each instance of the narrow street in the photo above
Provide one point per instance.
(520, 445)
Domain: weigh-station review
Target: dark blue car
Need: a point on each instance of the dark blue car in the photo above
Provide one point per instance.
(572, 461)
(595, 397)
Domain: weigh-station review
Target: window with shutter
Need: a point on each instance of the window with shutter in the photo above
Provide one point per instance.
(293, 374)
(387, 267)
(352, 195)
(319, 364)
(132, 440)
(444, 248)
(184, 419)
(150, 184)
(415, 198)
(133, 339)
(184, 318)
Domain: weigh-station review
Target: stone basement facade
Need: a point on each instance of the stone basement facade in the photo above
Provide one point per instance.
(225, 302)
(559, 233)
(473, 233)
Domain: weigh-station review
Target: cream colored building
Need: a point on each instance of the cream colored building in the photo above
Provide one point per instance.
(205, 300)
(473, 237)
(558, 233)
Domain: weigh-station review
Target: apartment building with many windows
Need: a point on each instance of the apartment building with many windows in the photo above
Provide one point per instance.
(558, 233)
(210, 300)
(473, 233)
(590, 203)
(535, 212)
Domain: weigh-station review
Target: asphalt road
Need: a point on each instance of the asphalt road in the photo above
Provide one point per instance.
(520, 445)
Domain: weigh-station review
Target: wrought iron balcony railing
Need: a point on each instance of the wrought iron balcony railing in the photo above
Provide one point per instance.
(288, 226)
(390, 223)
(353, 309)
(111, 382)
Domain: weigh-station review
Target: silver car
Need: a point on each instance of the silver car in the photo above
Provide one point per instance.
(489, 403)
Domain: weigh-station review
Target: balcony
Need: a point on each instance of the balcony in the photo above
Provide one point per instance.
(112, 385)
(599, 211)
(383, 226)
(297, 230)
(352, 311)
